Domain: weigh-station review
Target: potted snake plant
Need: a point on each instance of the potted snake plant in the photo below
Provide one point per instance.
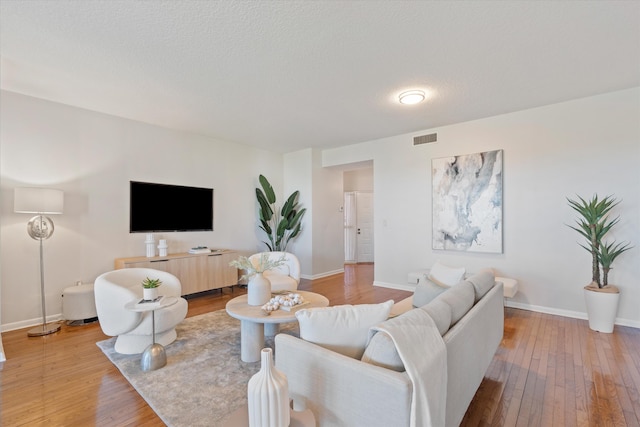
(601, 297)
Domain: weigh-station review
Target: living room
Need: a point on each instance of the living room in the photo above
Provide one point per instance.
(585, 141)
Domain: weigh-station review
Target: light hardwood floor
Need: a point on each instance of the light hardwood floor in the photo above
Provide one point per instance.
(548, 371)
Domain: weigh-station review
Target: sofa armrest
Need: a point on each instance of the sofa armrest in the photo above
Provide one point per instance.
(471, 345)
(340, 390)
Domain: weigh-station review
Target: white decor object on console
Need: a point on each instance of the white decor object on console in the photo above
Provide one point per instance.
(150, 242)
(162, 248)
(268, 395)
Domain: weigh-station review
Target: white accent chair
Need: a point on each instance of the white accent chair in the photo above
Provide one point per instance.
(116, 288)
(285, 277)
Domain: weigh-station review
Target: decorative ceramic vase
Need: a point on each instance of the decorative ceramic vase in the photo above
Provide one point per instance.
(149, 294)
(258, 290)
(162, 247)
(268, 395)
(150, 242)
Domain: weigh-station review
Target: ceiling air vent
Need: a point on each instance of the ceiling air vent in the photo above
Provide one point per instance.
(425, 139)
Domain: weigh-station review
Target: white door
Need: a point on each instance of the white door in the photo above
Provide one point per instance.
(350, 227)
(364, 227)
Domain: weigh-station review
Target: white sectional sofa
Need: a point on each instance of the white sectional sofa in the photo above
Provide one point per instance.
(376, 390)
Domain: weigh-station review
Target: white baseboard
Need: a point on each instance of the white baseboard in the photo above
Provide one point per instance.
(566, 313)
(30, 322)
(405, 287)
(321, 275)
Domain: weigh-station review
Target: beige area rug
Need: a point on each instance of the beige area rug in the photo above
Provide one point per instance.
(204, 380)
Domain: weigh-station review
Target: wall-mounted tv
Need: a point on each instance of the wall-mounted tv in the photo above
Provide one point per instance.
(163, 208)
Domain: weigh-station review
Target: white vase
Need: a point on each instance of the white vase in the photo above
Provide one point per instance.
(258, 290)
(149, 294)
(602, 309)
(150, 242)
(162, 247)
(268, 395)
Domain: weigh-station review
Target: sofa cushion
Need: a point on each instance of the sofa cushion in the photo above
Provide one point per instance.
(444, 275)
(425, 292)
(440, 312)
(381, 351)
(460, 299)
(342, 328)
(482, 282)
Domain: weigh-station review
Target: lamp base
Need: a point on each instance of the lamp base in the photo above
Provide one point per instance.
(45, 329)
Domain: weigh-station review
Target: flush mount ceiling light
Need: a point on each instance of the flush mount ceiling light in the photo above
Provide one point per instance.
(411, 97)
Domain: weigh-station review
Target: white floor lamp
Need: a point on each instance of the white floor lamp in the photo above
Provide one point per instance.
(40, 201)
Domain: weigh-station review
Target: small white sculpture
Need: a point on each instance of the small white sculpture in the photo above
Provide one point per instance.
(289, 300)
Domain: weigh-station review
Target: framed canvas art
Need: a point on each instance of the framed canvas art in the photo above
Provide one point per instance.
(467, 202)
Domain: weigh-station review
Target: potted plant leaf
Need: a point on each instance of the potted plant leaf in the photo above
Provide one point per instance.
(280, 225)
(150, 289)
(593, 224)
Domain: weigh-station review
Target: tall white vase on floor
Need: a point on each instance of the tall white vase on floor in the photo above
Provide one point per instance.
(258, 290)
(268, 395)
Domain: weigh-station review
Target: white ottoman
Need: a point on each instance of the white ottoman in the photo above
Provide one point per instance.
(78, 303)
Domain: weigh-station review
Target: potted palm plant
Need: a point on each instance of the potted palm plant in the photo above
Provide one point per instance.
(280, 225)
(594, 223)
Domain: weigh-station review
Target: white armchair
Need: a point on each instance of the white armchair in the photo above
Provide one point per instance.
(116, 288)
(285, 277)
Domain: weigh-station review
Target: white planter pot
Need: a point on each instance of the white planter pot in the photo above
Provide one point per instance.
(258, 290)
(149, 294)
(268, 395)
(602, 308)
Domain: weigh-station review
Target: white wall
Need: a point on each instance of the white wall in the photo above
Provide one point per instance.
(358, 180)
(586, 146)
(328, 231)
(92, 157)
(320, 246)
(298, 177)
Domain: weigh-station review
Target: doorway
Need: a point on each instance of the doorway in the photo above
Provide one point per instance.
(358, 227)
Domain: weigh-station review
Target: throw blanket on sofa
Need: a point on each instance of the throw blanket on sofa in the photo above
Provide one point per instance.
(424, 356)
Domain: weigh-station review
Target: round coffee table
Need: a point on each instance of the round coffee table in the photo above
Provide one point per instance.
(253, 321)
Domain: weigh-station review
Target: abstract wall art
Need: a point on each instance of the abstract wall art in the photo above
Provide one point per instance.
(467, 202)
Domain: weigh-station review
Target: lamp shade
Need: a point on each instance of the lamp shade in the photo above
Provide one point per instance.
(38, 200)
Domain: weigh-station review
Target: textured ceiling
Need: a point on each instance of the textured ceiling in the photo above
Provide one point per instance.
(287, 75)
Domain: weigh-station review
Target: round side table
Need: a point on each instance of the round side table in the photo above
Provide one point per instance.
(153, 357)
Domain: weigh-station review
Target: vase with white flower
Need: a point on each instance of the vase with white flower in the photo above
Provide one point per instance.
(258, 287)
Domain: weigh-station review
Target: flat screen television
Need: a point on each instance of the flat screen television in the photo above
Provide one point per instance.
(164, 208)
